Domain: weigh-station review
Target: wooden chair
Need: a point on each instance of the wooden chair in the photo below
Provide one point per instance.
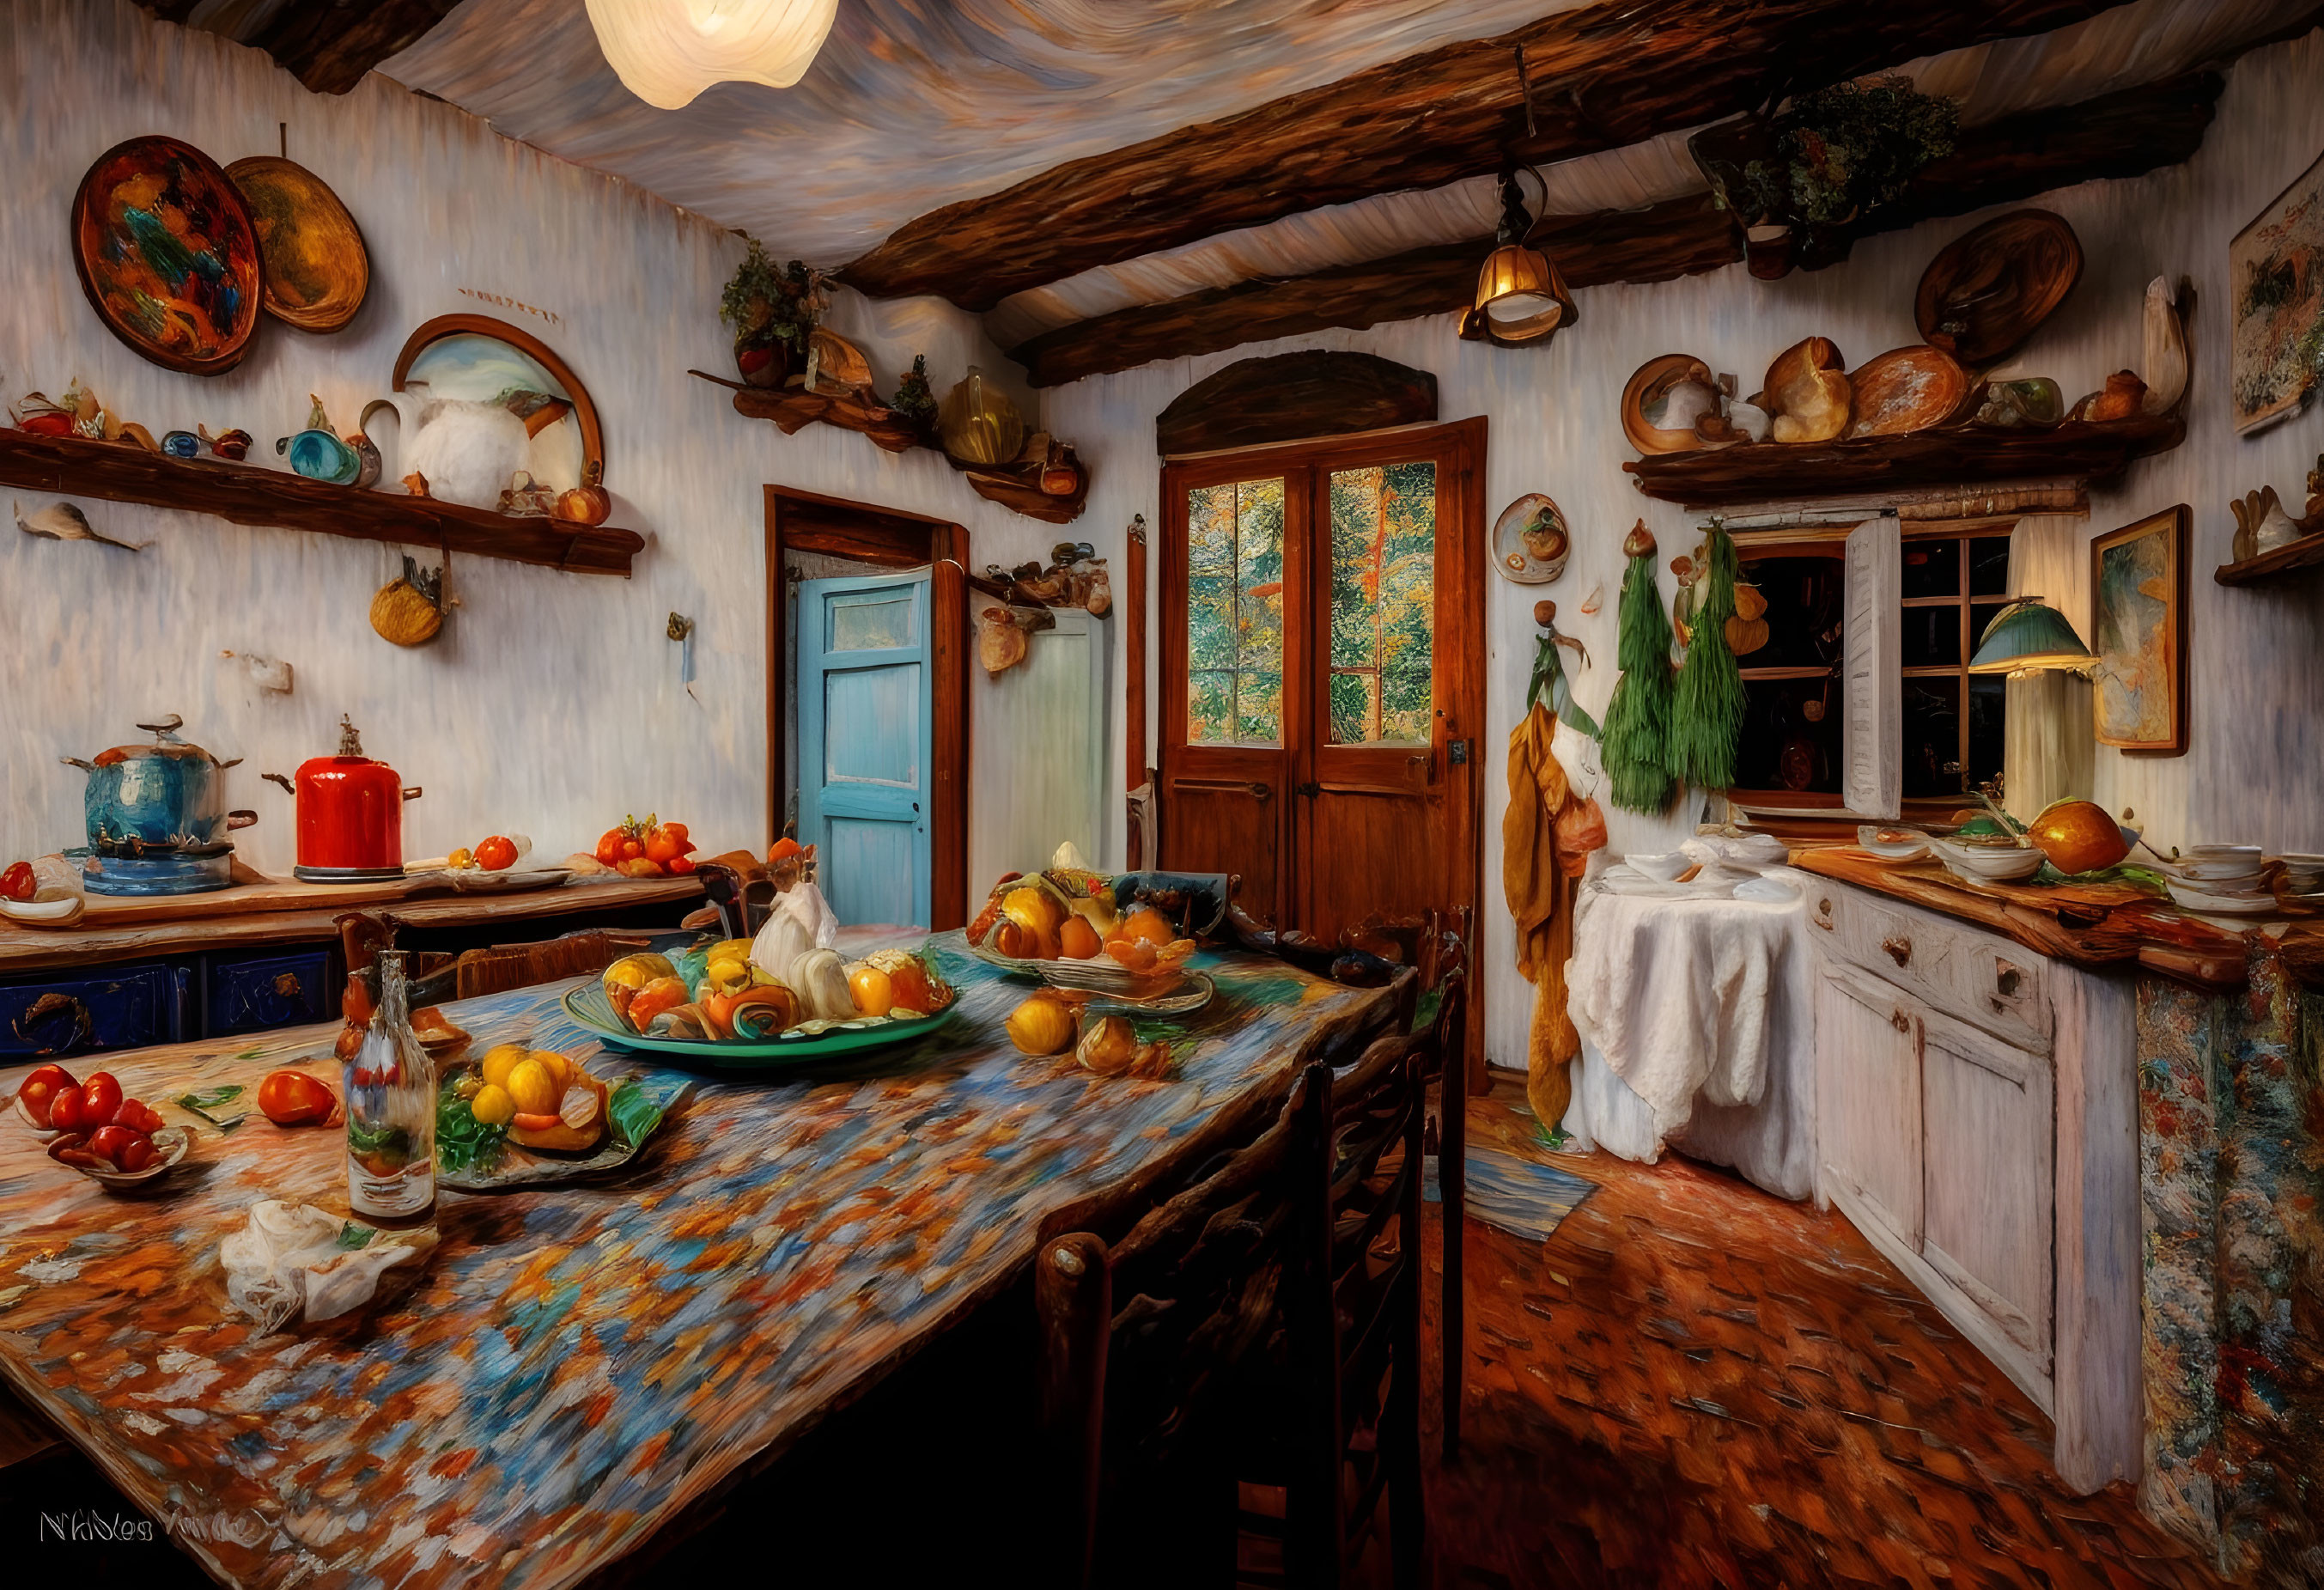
(1262, 1325)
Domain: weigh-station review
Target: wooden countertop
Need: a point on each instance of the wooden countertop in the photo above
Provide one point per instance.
(2107, 927)
(271, 912)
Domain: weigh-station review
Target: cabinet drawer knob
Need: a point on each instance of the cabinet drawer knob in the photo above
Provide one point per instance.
(1900, 1021)
(1897, 948)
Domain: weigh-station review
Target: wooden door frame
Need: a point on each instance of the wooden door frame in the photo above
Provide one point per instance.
(890, 538)
(1460, 578)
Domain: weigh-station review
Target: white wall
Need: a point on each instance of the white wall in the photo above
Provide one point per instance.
(2257, 691)
(552, 703)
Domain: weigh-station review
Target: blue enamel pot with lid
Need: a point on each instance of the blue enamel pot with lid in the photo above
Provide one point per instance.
(168, 798)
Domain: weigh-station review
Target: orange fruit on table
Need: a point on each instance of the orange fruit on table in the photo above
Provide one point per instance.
(496, 853)
(1077, 940)
(1148, 926)
(873, 991)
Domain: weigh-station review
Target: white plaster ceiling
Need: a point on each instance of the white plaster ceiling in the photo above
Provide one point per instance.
(916, 104)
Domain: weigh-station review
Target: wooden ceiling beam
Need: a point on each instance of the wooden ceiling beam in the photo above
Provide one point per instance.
(1603, 77)
(329, 48)
(2122, 135)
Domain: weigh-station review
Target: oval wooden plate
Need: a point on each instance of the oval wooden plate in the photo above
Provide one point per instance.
(1646, 390)
(1989, 290)
(318, 271)
(1906, 389)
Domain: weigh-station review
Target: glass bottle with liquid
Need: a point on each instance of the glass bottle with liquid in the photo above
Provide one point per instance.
(390, 1090)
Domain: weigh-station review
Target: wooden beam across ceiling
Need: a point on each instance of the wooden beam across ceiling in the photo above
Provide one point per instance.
(326, 47)
(1604, 76)
(2119, 134)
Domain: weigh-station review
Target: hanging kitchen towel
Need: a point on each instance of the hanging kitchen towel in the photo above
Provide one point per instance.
(1539, 891)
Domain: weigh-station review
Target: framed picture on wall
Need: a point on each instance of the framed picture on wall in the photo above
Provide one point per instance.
(2275, 277)
(2138, 629)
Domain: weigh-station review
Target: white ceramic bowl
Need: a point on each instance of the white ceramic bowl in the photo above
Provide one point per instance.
(1988, 864)
(1662, 869)
(2210, 903)
(1868, 840)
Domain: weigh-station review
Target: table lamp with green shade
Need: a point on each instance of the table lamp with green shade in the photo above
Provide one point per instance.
(2030, 636)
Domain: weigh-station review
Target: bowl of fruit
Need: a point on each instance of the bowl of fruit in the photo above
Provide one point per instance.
(784, 996)
(1071, 928)
(91, 1126)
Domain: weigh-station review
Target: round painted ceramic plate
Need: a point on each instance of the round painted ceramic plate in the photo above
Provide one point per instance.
(1531, 541)
(318, 271)
(1102, 977)
(587, 1004)
(169, 256)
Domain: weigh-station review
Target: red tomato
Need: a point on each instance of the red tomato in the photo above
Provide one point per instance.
(72, 1148)
(496, 854)
(39, 1088)
(100, 1100)
(662, 846)
(633, 848)
(293, 1098)
(675, 831)
(55, 1075)
(682, 865)
(68, 1109)
(18, 883)
(786, 847)
(609, 847)
(107, 1143)
(140, 1116)
(137, 1153)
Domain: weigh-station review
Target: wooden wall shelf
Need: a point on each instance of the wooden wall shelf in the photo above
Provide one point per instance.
(246, 493)
(2307, 552)
(1015, 486)
(1771, 471)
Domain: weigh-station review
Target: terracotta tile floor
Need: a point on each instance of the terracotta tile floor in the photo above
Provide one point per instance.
(1692, 1383)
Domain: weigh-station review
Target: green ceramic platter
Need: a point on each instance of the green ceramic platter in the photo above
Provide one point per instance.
(587, 1003)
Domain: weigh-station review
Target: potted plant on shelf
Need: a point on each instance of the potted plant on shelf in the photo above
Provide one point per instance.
(773, 312)
(1795, 178)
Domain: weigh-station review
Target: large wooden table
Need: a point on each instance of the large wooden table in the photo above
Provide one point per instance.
(578, 1365)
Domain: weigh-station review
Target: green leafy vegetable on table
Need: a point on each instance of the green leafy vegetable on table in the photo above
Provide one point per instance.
(462, 1143)
(208, 1100)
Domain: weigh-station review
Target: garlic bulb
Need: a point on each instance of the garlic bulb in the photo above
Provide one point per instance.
(779, 945)
(820, 980)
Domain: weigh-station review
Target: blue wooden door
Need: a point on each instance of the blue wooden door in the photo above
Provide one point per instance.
(865, 743)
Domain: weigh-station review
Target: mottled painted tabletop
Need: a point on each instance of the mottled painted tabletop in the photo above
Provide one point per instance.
(577, 1363)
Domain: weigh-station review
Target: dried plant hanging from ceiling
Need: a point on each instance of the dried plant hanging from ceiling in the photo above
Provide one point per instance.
(1707, 715)
(1635, 747)
(667, 52)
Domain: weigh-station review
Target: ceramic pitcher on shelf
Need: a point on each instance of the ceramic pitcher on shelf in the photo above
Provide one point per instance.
(468, 450)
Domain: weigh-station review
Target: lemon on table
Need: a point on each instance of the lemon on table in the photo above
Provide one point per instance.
(500, 1060)
(492, 1106)
(536, 1092)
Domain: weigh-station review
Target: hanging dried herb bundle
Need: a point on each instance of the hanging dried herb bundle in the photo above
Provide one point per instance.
(1635, 746)
(1707, 715)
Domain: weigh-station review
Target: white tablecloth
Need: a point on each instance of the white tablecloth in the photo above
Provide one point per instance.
(1697, 1033)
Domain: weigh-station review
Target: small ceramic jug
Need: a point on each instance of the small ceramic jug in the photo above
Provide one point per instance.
(181, 444)
(319, 455)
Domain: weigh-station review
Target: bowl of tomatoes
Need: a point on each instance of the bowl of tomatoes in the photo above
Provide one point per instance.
(92, 1127)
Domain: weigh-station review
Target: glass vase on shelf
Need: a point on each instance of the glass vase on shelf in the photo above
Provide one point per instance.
(391, 1092)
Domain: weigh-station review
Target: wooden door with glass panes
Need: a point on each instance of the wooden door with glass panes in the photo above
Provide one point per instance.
(1321, 612)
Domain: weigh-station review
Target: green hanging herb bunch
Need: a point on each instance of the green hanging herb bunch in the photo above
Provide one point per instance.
(1707, 718)
(1549, 673)
(1635, 746)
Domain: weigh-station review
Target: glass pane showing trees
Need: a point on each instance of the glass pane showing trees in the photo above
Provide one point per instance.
(1382, 682)
(1234, 614)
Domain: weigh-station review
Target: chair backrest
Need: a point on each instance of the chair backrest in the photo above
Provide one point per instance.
(505, 966)
(1144, 1338)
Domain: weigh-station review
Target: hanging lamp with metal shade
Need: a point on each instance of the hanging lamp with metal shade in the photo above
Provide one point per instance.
(1522, 301)
(2029, 636)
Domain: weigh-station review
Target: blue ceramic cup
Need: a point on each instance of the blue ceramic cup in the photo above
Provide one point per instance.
(181, 444)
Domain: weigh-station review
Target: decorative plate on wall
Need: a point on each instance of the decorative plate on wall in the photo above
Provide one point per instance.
(1531, 541)
(480, 400)
(317, 270)
(1662, 400)
(1989, 290)
(168, 254)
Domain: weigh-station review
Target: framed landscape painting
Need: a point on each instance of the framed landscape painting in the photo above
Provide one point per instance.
(2138, 630)
(2275, 274)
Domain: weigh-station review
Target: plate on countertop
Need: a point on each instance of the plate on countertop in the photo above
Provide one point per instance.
(2207, 903)
(509, 881)
(1912, 848)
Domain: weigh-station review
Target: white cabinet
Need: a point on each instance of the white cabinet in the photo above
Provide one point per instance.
(1978, 1120)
